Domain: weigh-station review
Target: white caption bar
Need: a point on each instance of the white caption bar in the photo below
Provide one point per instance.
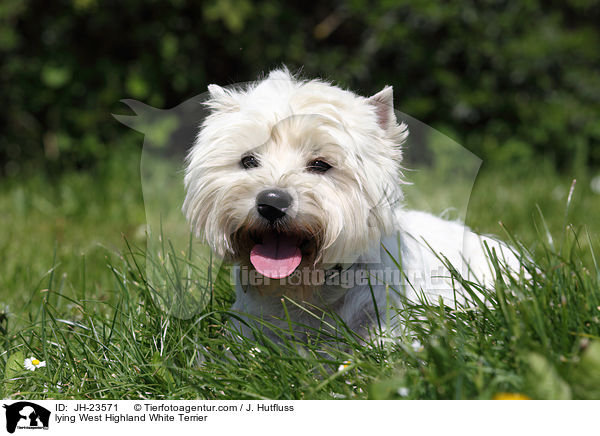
(283, 418)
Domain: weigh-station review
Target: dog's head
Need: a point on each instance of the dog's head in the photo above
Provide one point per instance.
(286, 172)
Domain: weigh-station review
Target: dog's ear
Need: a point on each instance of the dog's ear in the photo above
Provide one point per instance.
(383, 102)
(221, 99)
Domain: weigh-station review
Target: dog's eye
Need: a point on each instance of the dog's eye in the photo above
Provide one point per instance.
(249, 161)
(318, 166)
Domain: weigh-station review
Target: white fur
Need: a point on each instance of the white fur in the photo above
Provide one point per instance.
(356, 205)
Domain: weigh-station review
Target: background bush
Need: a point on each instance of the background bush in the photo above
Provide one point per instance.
(512, 81)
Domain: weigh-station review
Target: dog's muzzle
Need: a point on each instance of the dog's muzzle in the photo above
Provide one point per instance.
(278, 255)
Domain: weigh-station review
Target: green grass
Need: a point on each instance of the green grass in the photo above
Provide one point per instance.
(75, 292)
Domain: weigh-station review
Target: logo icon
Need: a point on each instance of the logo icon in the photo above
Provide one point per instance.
(26, 415)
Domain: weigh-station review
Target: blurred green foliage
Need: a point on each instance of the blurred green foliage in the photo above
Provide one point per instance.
(512, 81)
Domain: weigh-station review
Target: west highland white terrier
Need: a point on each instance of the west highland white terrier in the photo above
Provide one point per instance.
(299, 184)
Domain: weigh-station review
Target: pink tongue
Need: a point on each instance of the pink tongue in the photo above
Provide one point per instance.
(277, 257)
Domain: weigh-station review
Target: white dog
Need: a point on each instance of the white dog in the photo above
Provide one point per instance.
(299, 184)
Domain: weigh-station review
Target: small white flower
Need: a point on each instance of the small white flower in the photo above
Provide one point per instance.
(417, 346)
(403, 392)
(254, 350)
(31, 363)
(344, 365)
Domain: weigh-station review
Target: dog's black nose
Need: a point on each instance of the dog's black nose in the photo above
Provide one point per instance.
(273, 204)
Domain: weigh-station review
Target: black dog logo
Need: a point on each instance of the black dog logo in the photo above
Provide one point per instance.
(30, 413)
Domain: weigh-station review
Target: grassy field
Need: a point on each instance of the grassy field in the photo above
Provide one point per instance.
(74, 293)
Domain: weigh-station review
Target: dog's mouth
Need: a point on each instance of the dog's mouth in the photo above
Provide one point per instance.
(277, 256)
(274, 253)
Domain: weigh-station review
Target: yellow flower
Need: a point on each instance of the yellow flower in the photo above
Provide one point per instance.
(31, 363)
(510, 396)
